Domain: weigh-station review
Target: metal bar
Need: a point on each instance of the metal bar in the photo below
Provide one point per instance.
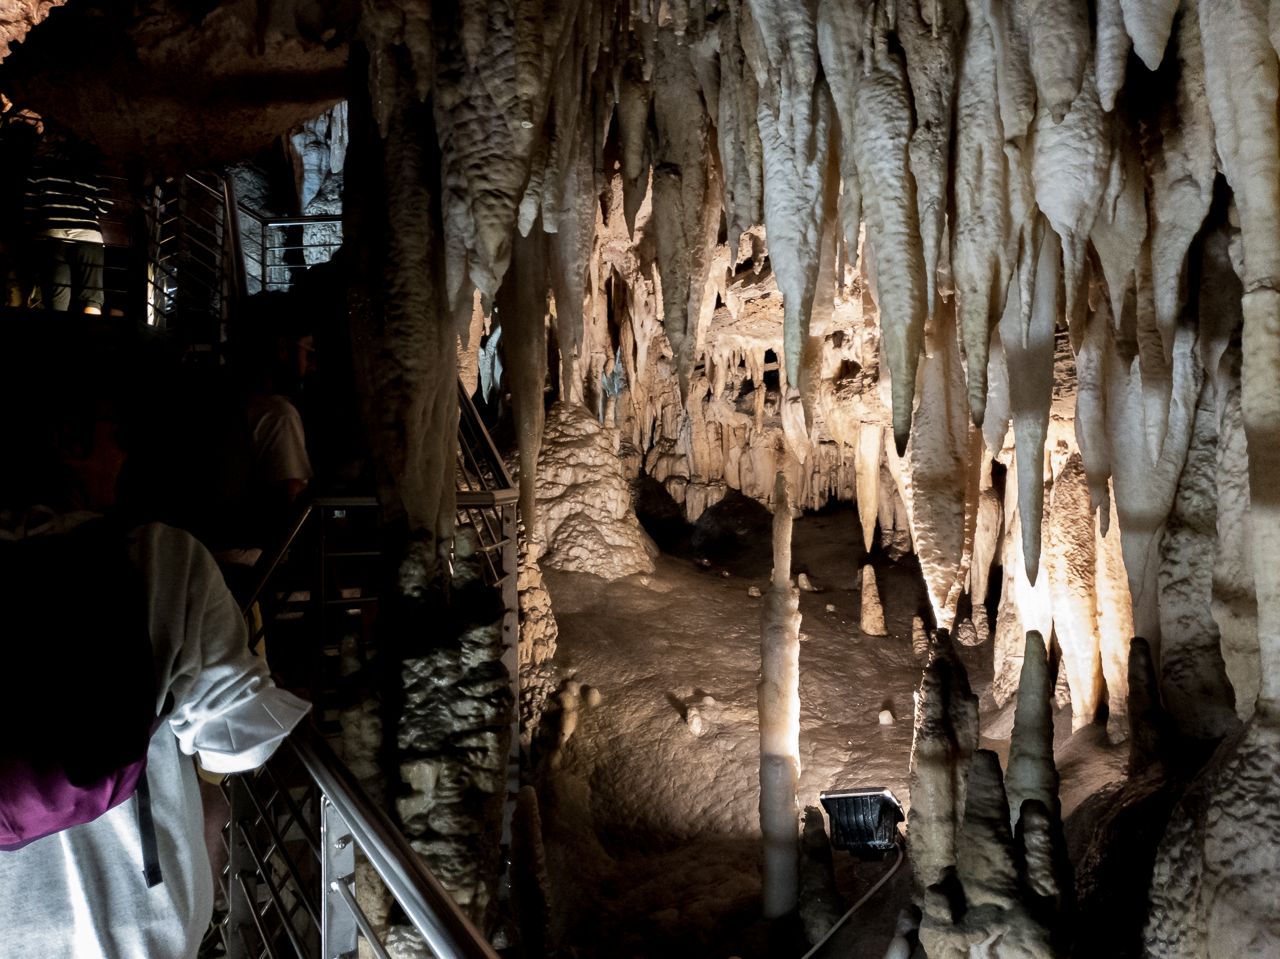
(343, 891)
(339, 935)
(280, 221)
(484, 499)
(257, 920)
(443, 926)
(285, 917)
(298, 816)
(278, 848)
(240, 283)
(277, 557)
(238, 917)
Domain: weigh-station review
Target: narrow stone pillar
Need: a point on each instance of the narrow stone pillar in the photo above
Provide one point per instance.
(779, 706)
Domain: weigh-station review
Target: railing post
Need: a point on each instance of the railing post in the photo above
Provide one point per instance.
(340, 935)
(240, 870)
(511, 659)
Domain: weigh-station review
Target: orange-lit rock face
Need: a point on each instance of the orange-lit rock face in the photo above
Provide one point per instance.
(173, 88)
(17, 17)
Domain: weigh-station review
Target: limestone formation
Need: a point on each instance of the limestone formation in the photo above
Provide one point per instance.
(584, 520)
(871, 615)
(940, 220)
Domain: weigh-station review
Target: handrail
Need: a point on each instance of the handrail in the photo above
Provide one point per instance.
(445, 928)
(277, 557)
(232, 214)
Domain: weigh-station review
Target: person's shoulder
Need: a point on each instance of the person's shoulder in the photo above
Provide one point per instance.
(161, 542)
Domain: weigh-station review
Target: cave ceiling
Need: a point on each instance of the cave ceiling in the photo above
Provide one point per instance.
(171, 86)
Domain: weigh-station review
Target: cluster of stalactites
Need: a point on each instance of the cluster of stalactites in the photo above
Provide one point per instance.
(998, 171)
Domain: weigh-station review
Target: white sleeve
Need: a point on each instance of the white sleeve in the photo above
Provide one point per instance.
(283, 444)
(225, 708)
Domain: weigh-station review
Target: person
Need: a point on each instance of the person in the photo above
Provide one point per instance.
(80, 893)
(275, 358)
(64, 202)
(19, 133)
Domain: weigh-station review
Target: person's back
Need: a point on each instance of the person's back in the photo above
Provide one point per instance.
(81, 893)
(65, 200)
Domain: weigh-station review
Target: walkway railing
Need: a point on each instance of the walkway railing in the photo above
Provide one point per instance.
(298, 827)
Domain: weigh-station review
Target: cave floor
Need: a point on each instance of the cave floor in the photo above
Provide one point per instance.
(650, 823)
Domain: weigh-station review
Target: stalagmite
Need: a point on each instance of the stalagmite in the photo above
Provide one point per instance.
(1031, 773)
(986, 865)
(929, 31)
(1235, 608)
(1111, 51)
(1182, 171)
(779, 707)
(1071, 571)
(986, 540)
(870, 443)
(946, 734)
(979, 227)
(882, 120)
(1148, 22)
(1023, 606)
(919, 638)
(1030, 361)
(871, 614)
(794, 117)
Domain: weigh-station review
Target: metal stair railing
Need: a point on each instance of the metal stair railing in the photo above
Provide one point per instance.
(290, 884)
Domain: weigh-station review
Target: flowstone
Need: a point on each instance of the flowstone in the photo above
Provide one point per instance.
(585, 522)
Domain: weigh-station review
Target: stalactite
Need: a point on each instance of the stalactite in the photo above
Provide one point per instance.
(937, 460)
(522, 311)
(686, 197)
(1030, 359)
(1059, 45)
(978, 231)
(794, 117)
(1111, 51)
(402, 334)
(882, 119)
(1181, 168)
(1069, 164)
(1241, 78)
(929, 31)
(1148, 22)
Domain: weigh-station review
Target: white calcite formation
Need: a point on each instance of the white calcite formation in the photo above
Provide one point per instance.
(970, 264)
(936, 258)
(986, 848)
(779, 710)
(584, 518)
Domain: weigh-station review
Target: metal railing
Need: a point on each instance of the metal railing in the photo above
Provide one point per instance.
(277, 249)
(290, 887)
